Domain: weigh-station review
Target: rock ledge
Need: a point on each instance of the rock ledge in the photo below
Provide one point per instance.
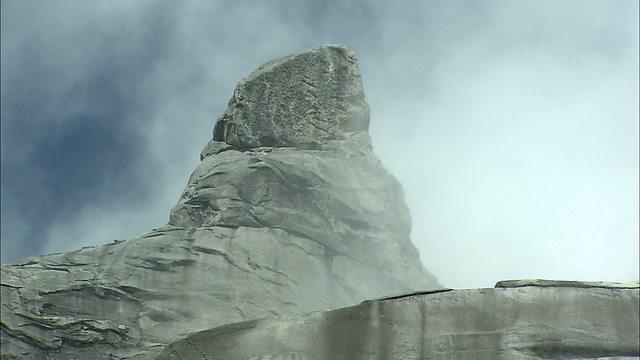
(531, 322)
(565, 283)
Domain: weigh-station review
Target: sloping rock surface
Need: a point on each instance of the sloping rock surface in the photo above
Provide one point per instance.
(515, 320)
(288, 212)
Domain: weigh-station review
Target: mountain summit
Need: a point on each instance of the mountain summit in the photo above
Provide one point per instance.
(288, 212)
(299, 100)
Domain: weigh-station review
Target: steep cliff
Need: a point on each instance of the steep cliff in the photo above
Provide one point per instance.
(288, 212)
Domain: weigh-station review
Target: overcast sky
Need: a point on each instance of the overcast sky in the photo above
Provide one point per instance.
(512, 125)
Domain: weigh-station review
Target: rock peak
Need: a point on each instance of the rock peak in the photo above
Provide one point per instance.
(267, 225)
(299, 100)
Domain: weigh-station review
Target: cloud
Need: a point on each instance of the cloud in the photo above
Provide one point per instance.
(512, 128)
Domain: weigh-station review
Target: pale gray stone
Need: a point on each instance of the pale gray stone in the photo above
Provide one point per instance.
(342, 199)
(298, 100)
(569, 320)
(289, 212)
(134, 297)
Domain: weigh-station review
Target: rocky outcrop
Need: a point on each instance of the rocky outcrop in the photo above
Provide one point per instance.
(299, 100)
(515, 320)
(288, 212)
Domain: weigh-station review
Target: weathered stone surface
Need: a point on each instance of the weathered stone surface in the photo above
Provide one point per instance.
(298, 100)
(340, 198)
(290, 212)
(563, 283)
(568, 320)
(259, 231)
(132, 297)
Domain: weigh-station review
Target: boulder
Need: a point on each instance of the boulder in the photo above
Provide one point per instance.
(298, 100)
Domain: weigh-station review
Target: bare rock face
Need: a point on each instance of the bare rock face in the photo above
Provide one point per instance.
(298, 100)
(516, 320)
(288, 212)
(338, 197)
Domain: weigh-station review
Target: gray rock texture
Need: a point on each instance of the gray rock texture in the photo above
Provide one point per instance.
(288, 212)
(515, 320)
(298, 100)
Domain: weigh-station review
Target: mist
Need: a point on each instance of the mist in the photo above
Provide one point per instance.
(512, 126)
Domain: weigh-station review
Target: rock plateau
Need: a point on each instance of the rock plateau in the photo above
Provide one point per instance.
(537, 319)
(288, 212)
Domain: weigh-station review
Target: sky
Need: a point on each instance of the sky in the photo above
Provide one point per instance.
(512, 125)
